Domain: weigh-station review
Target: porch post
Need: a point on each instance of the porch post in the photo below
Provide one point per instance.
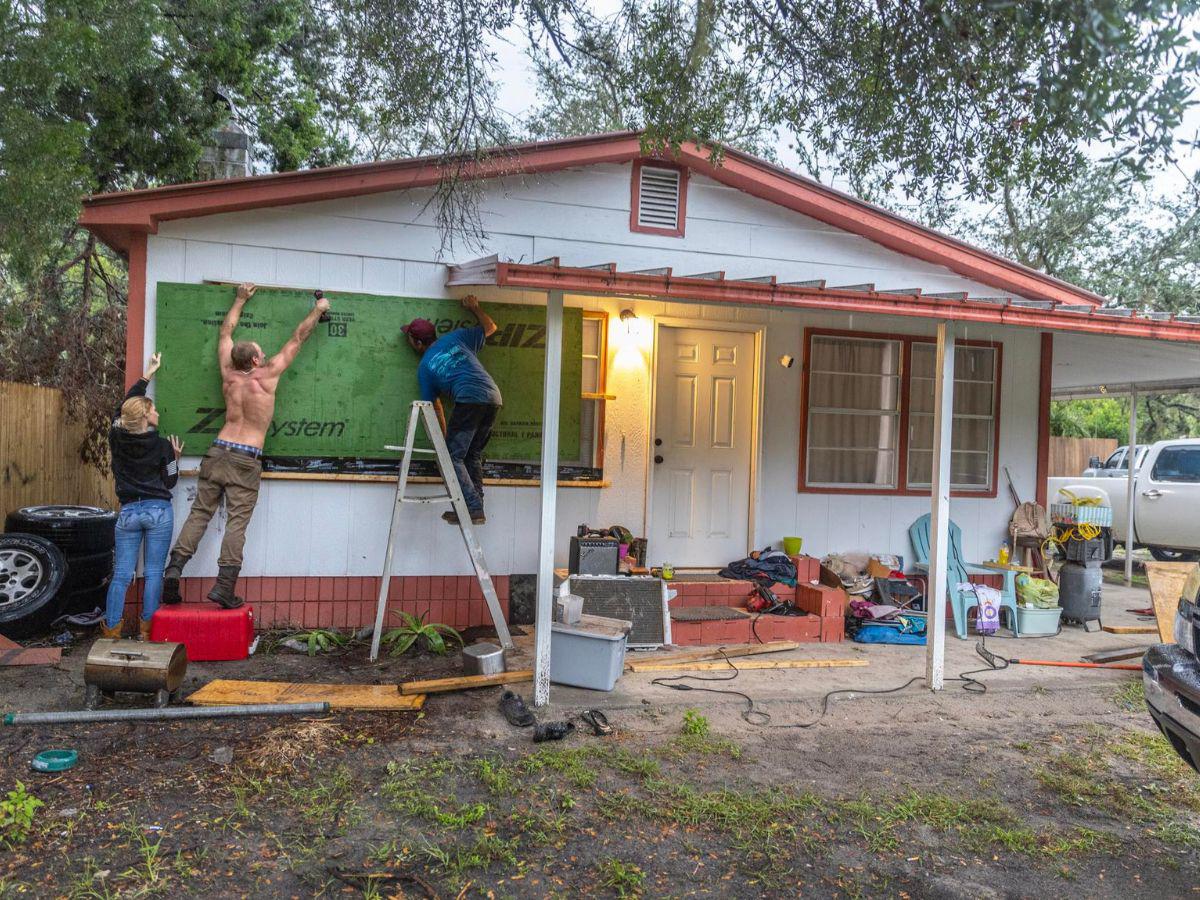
(1130, 494)
(545, 572)
(939, 530)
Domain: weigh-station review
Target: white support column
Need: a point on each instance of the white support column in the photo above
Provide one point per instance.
(1130, 494)
(545, 573)
(939, 525)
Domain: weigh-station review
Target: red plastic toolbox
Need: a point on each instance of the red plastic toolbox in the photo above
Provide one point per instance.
(205, 630)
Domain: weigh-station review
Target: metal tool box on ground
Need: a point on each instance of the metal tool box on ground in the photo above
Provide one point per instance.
(207, 631)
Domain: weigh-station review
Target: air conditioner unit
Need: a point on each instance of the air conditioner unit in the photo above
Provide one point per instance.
(639, 599)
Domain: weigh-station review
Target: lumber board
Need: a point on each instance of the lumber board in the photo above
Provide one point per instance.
(13, 654)
(1166, 585)
(338, 696)
(464, 682)
(709, 665)
(1129, 629)
(711, 653)
(1107, 656)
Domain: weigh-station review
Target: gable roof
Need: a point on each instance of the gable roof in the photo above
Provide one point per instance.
(115, 217)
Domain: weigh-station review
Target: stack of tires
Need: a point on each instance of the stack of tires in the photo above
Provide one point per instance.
(53, 560)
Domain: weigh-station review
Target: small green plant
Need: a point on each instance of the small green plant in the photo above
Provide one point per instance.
(321, 640)
(624, 878)
(432, 635)
(694, 723)
(17, 812)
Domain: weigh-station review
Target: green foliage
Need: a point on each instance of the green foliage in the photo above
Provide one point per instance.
(624, 878)
(17, 812)
(321, 640)
(432, 635)
(694, 723)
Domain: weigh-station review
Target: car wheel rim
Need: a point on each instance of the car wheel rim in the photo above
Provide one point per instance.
(20, 575)
(63, 512)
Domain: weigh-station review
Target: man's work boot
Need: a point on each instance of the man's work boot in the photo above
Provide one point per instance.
(113, 633)
(477, 518)
(222, 592)
(143, 629)
(171, 576)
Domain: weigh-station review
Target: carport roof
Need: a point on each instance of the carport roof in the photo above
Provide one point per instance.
(1090, 366)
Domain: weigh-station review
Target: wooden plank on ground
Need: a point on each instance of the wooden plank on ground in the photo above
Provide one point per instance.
(13, 654)
(464, 682)
(708, 665)
(1166, 585)
(1108, 656)
(338, 696)
(730, 652)
(1130, 629)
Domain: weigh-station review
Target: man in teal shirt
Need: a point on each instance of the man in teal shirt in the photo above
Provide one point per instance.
(450, 365)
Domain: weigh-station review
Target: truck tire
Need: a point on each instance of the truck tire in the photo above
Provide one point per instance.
(32, 571)
(88, 572)
(1166, 554)
(76, 530)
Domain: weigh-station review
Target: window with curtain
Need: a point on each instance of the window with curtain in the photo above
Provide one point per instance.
(972, 437)
(859, 392)
(853, 411)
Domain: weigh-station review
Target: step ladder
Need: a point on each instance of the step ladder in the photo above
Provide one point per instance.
(423, 412)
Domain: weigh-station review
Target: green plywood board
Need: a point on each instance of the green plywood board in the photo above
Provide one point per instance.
(348, 393)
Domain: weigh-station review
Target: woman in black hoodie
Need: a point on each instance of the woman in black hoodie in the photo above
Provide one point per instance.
(146, 467)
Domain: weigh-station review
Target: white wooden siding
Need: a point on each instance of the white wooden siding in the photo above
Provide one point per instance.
(389, 244)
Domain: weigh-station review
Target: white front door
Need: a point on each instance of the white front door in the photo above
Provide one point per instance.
(703, 439)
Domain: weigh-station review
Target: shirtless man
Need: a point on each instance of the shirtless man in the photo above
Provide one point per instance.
(231, 466)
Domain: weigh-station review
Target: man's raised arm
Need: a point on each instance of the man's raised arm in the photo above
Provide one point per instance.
(471, 304)
(287, 354)
(225, 342)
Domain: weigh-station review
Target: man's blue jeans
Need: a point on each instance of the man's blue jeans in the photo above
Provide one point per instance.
(467, 434)
(154, 520)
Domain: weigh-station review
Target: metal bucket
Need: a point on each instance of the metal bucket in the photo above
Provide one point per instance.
(483, 659)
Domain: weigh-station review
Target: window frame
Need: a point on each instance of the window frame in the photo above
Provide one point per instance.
(635, 197)
(902, 488)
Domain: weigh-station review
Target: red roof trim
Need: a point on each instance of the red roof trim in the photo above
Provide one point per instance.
(114, 217)
(670, 287)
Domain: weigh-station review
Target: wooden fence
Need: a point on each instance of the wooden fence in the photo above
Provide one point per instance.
(39, 453)
(1069, 456)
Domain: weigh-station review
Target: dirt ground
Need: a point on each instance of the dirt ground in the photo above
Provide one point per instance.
(1048, 784)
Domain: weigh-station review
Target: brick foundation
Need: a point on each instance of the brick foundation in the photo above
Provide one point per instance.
(824, 607)
(329, 602)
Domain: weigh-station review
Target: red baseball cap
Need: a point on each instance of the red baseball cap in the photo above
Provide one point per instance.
(422, 330)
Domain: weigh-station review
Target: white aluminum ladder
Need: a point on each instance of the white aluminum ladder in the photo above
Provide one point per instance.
(423, 411)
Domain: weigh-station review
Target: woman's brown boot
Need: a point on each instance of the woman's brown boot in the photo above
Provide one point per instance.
(113, 633)
(143, 630)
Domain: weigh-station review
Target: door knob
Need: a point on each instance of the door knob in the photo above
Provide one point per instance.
(658, 460)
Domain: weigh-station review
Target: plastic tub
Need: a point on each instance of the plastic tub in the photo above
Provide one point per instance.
(1037, 621)
(588, 654)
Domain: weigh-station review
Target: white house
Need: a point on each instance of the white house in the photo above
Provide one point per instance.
(778, 375)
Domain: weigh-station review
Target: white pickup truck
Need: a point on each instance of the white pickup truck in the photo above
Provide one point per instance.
(1166, 495)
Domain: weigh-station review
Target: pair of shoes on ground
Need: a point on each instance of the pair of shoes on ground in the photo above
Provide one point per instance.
(477, 518)
(520, 716)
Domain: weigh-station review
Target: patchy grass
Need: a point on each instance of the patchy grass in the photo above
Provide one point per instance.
(1131, 696)
(624, 878)
(695, 724)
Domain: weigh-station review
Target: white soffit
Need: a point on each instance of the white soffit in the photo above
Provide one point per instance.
(1092, 365)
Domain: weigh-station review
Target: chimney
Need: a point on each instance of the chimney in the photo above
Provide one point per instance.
(227, 156)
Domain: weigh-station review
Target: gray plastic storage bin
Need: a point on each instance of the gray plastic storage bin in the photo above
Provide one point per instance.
(590, 653)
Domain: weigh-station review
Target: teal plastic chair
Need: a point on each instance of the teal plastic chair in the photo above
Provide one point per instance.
(959, 571)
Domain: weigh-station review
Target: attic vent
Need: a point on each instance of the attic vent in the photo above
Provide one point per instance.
(659, 199)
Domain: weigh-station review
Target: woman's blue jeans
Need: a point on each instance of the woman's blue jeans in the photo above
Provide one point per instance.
(154, 520)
